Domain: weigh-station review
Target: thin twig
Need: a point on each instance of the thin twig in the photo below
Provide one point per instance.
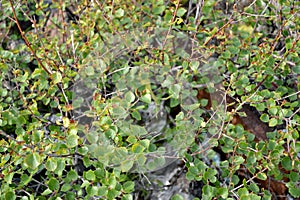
(48, 71)
(172, 21)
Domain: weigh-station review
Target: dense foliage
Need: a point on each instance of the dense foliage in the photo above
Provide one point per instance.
(97, 96)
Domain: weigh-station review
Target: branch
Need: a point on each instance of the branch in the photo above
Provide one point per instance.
(49, 72)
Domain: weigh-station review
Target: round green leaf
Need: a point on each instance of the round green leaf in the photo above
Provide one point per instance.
(128, 186)
(157, 10)
(92, 190)
(53, 184)
(51, 164)
(89, 70)
(129, 96)
(118, 111)
(66, 187)
(90, 175)
(273, 122)
(264, 117)
(223, 192)
(119, 13)
(72, 175)
(273, 110)
(287, 163)
(56, 77)
(177, 197)
(136, 115)
(46, 192)
(137, 148)
(262, 176)
(33, 160)
(72, 141)
(10, 195)
(194, 170)
(180, 12)
(146, 98)
(126, 165)
(83, 150)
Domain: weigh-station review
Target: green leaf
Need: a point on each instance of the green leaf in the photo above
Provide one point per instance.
(253, 197)
(294, 189)
(238, 160)
(56, 77)
(157, 10)
(136, 115)
(131, 139)
(179, 116)
(168, 81)
(189, 176)
(296, 69)
(138, 130)
(89, 70)
(32, 160)
(47, 192)
(53, 184)
(119, 13)
(177, 197)
(287, 163)
(66, 187)
(254, 188)
(10, 195)
(243, 191)
(72, 175)
(60, 166)
(128, 186)
(223, 192)
(83, 150)
(112, 194)
(8, 178)
(146, 98)
(273, 122)
(118, 111)
(129, 96)
(3, 92)
(194, 170)
(294, 176)
(264, 117)
(25, 179)
(72, 141)
(137, 148)
(203, 102)
(207, 192)
(180, 12)
(102, 191)
(233, 49)
(85, 184)
(175, 90)
(174, 102)
(51, 164)
(273, 110)
(262, 176)
(90, 175)
(92, 137)
(66, 122)
(127, 197)
(21, 120)
(209, 174)
(6, 54)
(194, 65)
(92, 190)
(141, 159)
(126, 165)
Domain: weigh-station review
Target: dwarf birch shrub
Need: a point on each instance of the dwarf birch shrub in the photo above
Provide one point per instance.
(96, 95)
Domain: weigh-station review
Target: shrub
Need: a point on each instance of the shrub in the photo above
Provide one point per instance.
(95, 95)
